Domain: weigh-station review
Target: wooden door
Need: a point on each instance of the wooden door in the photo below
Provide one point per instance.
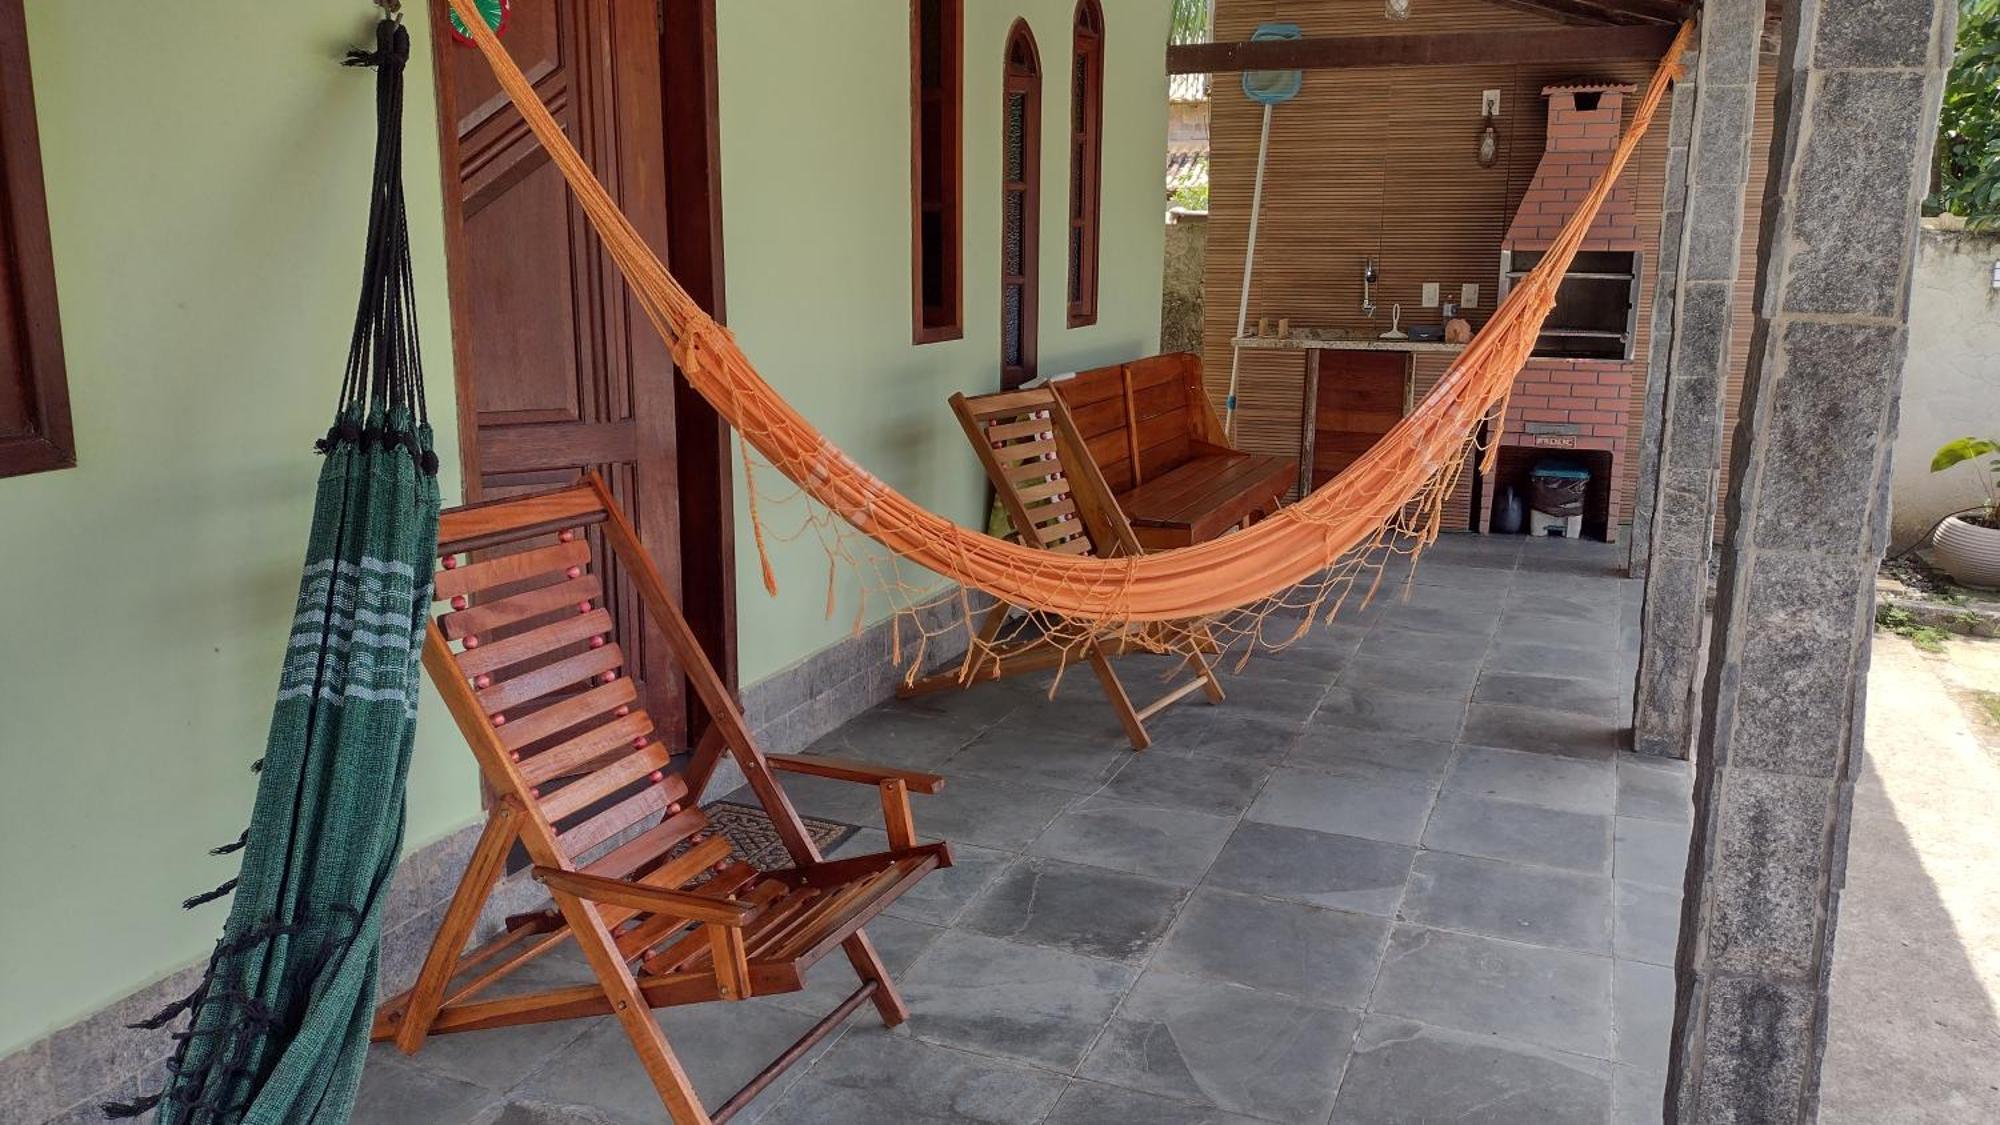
(1361, 396)
(559, 372)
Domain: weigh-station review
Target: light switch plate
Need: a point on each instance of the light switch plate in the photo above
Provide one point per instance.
(1489, 103)
(1468, 295)
(1430, 294)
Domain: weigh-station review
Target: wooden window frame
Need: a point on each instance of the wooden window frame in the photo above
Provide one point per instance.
(1086, 154)
(1026, 81)
(927, 325)
(42, 439)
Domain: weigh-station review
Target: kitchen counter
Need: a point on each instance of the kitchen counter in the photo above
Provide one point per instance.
(1310, 339)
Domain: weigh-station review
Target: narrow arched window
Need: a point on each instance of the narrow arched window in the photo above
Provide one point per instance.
(1086, 159)
(937, 94)
(1020, 202)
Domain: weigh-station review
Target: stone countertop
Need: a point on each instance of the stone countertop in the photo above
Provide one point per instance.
(1307, 339)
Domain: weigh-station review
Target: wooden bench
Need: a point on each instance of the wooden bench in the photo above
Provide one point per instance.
(1149, 426)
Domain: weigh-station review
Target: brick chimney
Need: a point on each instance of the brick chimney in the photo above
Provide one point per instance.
(1584, 125)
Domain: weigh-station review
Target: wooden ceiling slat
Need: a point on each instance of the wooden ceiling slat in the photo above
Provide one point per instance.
(1570, 45)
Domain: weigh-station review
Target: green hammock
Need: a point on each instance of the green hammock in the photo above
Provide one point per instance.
(278, 1028)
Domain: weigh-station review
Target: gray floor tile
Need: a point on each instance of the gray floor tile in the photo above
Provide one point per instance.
(1037, 755)
(1468, 619)
(898, 941)
(1643, 1011)
(1412, 675)
(1522, 833)
(1016, 1001)
(1389, 643)
(1221, 732)
(976, 810)
(1356, 799)
(892, 736)
(1272, 699)
(1171, 844)
(1509, 900)
(1549, 997)
(1076, 909)
(1534, 779)
(1340, 872)
(942, 895)
(1198, 783)
(1655, 789)
(537, 1113)
(1538, 659)
(1605, 698)
(1532, 627)
(1648, 925)
(1638, 1096)
(1653, 852)
(1322, 956)
(1313, 660)
(1404, 1073)
(1543, 731)
(1324, 745)
(497, 1059)
(395, 1091)
(721, 1046)
(871, 1078)
(1093, 1103)
(1247, 1052)
(1391, 712)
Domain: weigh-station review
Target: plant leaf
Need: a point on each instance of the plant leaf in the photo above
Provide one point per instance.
(1964, 449)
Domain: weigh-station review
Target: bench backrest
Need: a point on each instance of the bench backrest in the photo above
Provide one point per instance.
(1051, 489)
(1141, 419)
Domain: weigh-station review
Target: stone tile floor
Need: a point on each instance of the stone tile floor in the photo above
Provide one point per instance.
(1403, 875)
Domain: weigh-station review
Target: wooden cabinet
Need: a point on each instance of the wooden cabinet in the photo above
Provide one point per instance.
(1353, 398)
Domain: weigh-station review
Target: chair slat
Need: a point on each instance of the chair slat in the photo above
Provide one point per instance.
(603, 782)
(459, 624)
(580, 753)
(1058, 487)
(1011, 431)
(571, 712)
(478, 521)
(474, 577)
(621, 861)
(509, 651)
(562, 674)
(617, 818)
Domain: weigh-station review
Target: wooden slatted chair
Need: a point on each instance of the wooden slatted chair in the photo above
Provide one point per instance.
(528, 662)
(1057, 500)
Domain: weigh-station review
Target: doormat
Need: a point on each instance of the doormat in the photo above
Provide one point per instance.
(755, 841)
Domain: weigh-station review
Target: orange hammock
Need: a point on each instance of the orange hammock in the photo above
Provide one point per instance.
(1396, 490)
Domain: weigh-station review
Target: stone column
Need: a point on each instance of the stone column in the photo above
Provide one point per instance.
(1666, 286)
(1690, 452)
(1780, 739)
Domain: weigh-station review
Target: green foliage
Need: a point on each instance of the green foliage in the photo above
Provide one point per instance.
(1968, 450)
(1193, 197)
(1989, 702)
(1190, 21)
(1969, 128)
(1904, 624)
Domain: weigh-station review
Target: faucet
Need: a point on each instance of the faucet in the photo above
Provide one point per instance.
(1368, 279)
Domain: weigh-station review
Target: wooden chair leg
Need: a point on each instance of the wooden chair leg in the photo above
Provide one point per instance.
(488, 857)
(629, 1005)
(1135, 729)
(868, 966)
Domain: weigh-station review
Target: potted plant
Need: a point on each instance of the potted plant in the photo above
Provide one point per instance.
(1968, 542)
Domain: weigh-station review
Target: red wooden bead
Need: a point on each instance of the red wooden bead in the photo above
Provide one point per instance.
(656, 778)
(513, 755)
(673, 808)
(639, 743)
(610, 677)
(622, 712)
(459, 601)
(721, 865)
(566, 535)
(597, 642)
(482, 682)
(534, 793)
(499, 720)
(574, 572)
(583, 607)
(450, 562)
(472, 642)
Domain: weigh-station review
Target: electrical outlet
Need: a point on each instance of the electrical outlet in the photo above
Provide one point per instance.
(1489, 103)
(1468, 296)
(1430, 294)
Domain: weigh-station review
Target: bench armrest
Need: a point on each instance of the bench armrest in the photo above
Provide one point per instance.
(641, 896)
(842, 769)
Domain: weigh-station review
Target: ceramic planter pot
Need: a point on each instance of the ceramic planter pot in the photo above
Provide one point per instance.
(1968, 552)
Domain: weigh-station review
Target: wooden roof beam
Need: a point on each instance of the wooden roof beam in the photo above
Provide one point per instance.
(1458, 48)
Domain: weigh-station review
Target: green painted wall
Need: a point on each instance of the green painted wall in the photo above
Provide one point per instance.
(815, 102)
(207, 169)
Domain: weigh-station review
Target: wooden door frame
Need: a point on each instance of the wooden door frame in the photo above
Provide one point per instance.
(689, 114)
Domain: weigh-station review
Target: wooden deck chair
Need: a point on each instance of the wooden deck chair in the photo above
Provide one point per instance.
(1057, 500)
(528, 662)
